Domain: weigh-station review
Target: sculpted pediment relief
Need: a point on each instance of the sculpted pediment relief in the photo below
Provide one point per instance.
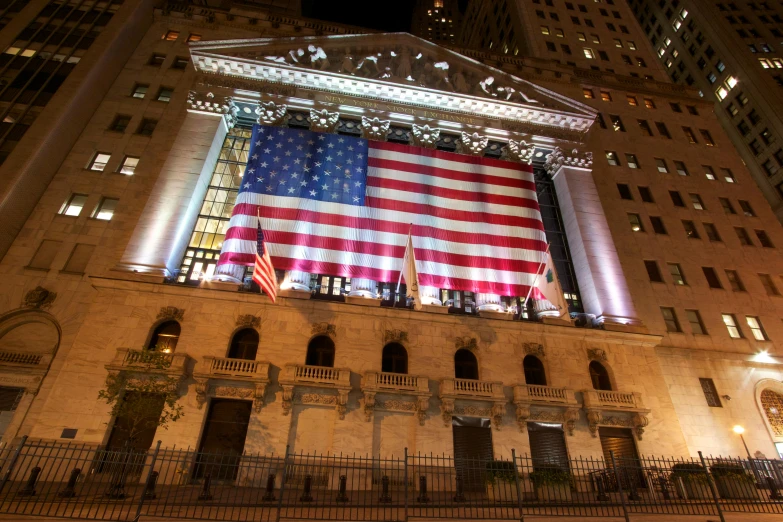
(395, 58)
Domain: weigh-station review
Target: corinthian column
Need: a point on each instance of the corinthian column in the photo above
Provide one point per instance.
(361, 287)
(488, 303)
(296, 280)
(430, 296)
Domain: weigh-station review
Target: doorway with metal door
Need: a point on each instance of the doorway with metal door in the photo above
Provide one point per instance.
(620, 441)
(472, 450)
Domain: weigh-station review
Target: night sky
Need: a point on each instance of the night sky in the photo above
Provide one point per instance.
(385, 16)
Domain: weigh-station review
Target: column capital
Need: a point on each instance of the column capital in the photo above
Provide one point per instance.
(559, 158)
(424, 136)
(208, 103)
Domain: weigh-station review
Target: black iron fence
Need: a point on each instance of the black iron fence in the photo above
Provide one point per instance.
(81, 481)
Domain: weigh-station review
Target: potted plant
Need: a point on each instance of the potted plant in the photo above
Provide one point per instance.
(733, 480)
(552, 484)
(690, 480)
(501, 479)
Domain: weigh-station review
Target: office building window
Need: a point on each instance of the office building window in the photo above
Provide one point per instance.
(735, 283)
(728, 208)
(662, 166)
(139, 90)
(675, 270)
(698, 204)
(658, 226)
(625, 191)
(99, 161)
(636, 223)
(769, 285)
(649, 103)
(707, 137)
(712, 277)
(156, 59)
(612, 158)
(120, 123)
(690, 229)
(653, 272)
(746, 208)
(694, 318)
(712, 232)
(645, 127)
(129, 165)
(171, 36)
(80, 256)
(645, 194)
(754, 323)
(728, 175)
(180, 63)
(193, 37)
(670, 318)
(617, 123)
(689, 134)
(662, 129)
(164, 94)
(105, 209)
(588, 93)
(710, 393)
(632, 99)
(631, 161)
(743, 236)
(606, 96)
(676, 198)
(45, 254)
(709, 173)
(147, 127)
(681, 169)
(731, 325)
(764, 239)
(73, 205)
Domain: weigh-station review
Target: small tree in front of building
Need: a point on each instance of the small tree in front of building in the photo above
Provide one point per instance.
(143, 397)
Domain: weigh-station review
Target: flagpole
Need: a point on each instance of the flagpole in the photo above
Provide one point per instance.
(404, 257)
(535, 281)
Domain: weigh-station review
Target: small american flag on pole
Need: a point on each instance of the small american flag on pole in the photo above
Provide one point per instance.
(263, 271)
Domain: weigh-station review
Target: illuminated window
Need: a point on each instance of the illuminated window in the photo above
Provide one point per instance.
(164, 94)
(631, 45)
(612, 159)
(105, 209)
(755, 327)
(544, 29)
(690, 229)
(731, 325)
(588, 93)
(709, 172)
(74, 205)
(694, 318)
(589, 53)
(171, 36)
(681, 169)
(636, 222)
(662, 166)
(632, 101)
(129, 165)
(676, 272)
(606, 96)
(631, 161)
(193, 37)
(689, 134)
(581, 37)
(99, 161)
(649, 103)
(139, 90)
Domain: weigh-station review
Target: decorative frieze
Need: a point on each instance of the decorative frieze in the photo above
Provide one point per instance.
(323, 120)
(546, 404)
(224, 372)
(375, 128)
(612, 408)
(320, 378)
(468, 343)
(249, 320)
(208, 103)
(557, 158)
(473, 144)
(323, 329)
(39, 297)
(270, 113)
(475, 398)
(401, 387)
(425, 136)
(395, 336)
(521, 151)
(536, 349)
(596, 354)
(171, 313)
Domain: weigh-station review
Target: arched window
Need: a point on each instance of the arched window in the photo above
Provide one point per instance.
(465, 365)
(244, 345)
(394, 358)
(772, 403)
(599, 376)
(534, 370)
(320, 352)
(165, 337)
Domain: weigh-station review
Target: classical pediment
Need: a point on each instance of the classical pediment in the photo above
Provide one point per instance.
(395, 68)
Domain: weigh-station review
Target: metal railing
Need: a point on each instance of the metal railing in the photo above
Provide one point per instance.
(57, 479)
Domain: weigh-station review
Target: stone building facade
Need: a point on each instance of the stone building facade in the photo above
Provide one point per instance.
(117, 255)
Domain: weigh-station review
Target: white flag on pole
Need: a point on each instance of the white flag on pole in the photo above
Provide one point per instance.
(550, 300)
(409, 274)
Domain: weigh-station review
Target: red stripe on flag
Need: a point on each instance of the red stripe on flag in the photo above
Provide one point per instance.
(456, 175)
(449, 156)
(449, 193)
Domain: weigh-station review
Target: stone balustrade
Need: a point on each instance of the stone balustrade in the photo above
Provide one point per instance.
(472, 389)
(453, 392)
(535, 393)
(614, 400)
(535, 402)
(227, 368)
(399, 387)
(614, 408)
(227, 377)
(304, 376)
(25, 359)
(174, 364)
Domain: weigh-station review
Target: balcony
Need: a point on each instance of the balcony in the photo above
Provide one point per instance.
(460, 397)
(546, 404)
(174, 364)
(391, 385)
(225, 377)
(614, 408)
(321, 378)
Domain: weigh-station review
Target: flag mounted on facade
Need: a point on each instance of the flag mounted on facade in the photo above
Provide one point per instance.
(409, 275)
(549, 299)
(340, 205)
(263, 271)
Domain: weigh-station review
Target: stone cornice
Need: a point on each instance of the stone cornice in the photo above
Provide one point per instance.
(533, 330)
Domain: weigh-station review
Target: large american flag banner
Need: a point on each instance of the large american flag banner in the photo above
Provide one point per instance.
(342, 206)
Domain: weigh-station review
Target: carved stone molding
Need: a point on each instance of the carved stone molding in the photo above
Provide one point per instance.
(570, 416)
(39, 298)
(473, 144)
(249, 320)
(339, 401)
(596, 354)
(201, 392)
(213, 79)
(446, 410)
(323, 329)
(521, 151)
(375, 128)
(523, 414)
(323, 120)
(473, 411)
(210, 104)
(257, 393)
(593, 419)
(395, 336)
(369, 405)
(287, 398)
(270, 113)
(425, 136)
(536, 349)
(639, 422)
(557, 158)
(169, 313)
(468, 343)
